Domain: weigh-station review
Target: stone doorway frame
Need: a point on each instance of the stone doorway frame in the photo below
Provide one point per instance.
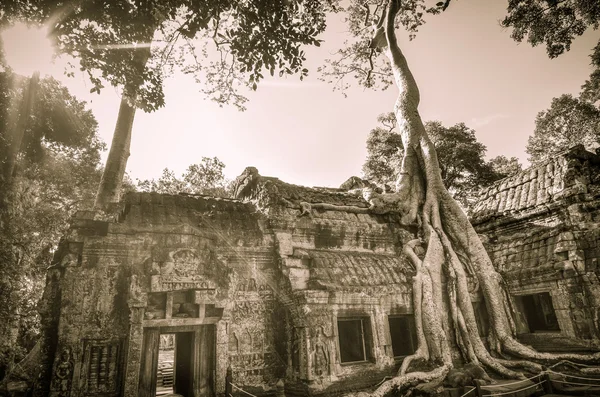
(199, 379)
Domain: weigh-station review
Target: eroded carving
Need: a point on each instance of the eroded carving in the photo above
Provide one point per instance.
(63, 373)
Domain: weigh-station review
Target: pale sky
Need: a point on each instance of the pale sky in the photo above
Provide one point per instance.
(467, 67)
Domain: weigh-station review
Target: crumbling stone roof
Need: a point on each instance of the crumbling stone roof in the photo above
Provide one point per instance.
(340, 270)
(565, 175)
(269, 191)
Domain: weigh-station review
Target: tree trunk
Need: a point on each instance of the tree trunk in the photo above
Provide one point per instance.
(15, 138)
(446, 327)
(112, 178)
(111, 183)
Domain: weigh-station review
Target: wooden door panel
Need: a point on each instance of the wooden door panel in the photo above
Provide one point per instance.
(149, 364)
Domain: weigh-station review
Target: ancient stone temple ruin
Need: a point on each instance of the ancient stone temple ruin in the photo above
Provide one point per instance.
(542, 228)
(297, 290)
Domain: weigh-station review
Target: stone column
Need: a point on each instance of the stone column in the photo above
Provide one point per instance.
(49, 309)
(133, 348)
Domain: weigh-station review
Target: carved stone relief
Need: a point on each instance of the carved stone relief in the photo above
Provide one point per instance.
(321, 351)
(101, 369)
(63, 374)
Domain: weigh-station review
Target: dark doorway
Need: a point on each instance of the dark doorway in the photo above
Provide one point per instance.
(184, 363)
(187, 369)
(402, 331)
(539, 312)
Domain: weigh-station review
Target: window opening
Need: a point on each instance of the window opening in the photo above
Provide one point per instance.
(539, 312)
(402, 332)
(354, 339)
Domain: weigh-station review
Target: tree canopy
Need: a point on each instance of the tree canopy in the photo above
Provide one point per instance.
(205, 177)
(569, 121)
(556, 23)
(57, 170)
(250, 38)
(461, 157)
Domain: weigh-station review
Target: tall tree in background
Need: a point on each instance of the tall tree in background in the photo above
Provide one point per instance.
(569, 121)
(461, 157)
(503, 166)
(132, 45)
(205, 178)
(590, 91)
(54, 171)
(556, 24)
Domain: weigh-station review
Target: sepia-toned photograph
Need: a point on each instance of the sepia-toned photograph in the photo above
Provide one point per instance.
(299, 198)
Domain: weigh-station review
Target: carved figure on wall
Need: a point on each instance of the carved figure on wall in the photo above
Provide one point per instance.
(321, 353)
(580, 323)
(296, 347)
(234, 343)
(63, 373)
(136, 295)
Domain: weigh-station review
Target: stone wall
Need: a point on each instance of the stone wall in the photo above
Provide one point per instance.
(541, 228)
(256, 283)
(271, 282)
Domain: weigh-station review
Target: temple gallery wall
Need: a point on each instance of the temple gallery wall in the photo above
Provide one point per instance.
(299, 289)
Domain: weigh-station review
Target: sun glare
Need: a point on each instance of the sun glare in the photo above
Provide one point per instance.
(27, 49)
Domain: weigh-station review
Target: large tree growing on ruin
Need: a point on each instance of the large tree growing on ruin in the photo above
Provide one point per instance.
(447, 251)
(462, 165)
(134, 45)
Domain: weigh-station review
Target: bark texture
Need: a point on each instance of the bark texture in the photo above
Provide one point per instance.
(444, 316)
(16, 130)
(111, 183)
(112, 178)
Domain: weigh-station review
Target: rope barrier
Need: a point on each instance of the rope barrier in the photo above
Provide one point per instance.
(573, 376)
(242, 390)
(488, 387)
(467, 393)
(573, 383)
(572, 363)
(516, 391)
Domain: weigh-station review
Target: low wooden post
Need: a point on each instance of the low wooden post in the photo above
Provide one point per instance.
(228, 382)
(478, 388)
(547, 385)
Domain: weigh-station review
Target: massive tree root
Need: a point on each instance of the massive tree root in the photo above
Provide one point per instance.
(453, 253)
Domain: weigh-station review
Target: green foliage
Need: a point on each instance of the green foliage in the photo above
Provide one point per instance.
(110, 40)
(569, 121)
(355, 60)
(57, 173)
(591, 88)
(460, 155)
(554, 23)
(205, 177)
(504, 166)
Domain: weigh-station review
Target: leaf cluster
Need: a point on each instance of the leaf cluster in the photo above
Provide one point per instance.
(204, 178)
(569, 121)
(57, 173)
(555, 23)
(111, 40)
(355, 61)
